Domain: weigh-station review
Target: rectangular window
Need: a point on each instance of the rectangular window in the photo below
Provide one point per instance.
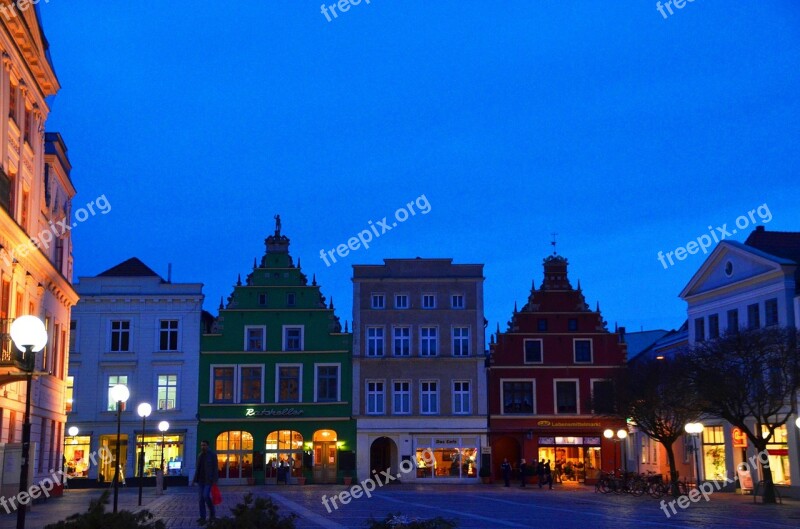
(73, 335)
(401, 398)
(255, 338)
(713, 326)
(167, 392)
(262, 300)
(168, 335)
(375, 398)
(457, 301)
(517, 397)
(374, 341)
(113, 380)
(771, 312)
(69, 395)
(583, 351)
(572, 324)
(28, 134)
(12, 102)
(293, 338)
(120, 336)
(428, 341)
(402, 341)
(753, 319)
(222, 379)
(712, 452)
(602, 397)
(699, 330)
(566, 396)
(288, 384)
(733, 321)
(429, 301)
(461, 397)
(251, 384)
(401, 301)
(429, 397)
(541, 324)
(533, 351)
(328, 383)
(290, 299)
(378, 301)
(460, 341)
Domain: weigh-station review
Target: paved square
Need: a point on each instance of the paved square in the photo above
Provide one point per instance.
(474, 506)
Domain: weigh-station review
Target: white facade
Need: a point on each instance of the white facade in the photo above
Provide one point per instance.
(736, 282)
(133, 327)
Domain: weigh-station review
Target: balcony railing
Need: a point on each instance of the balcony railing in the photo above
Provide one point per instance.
(10, 356)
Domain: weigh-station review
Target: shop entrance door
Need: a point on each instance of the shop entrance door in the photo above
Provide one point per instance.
(325, 463)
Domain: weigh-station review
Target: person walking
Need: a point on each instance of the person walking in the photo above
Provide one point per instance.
(548, 474)
(506, 468)
(540, 472)
(522, 468)
(205, 475)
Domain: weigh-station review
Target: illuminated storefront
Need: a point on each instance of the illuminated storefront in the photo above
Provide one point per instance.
(284, 453)
(453, 457)
(76, 456)
(106, 469)
(235, 456)
(172, 452)
(714, 453)
(577, 457)
(778, 453)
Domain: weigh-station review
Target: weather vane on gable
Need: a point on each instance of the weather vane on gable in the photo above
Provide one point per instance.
(277, 225)
(554, 243)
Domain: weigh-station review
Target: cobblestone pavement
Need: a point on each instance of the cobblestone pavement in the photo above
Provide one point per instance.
(475, 506)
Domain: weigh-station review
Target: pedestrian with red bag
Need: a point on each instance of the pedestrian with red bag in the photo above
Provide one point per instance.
(206, 476)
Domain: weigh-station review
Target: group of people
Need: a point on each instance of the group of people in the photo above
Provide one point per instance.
(543, 471)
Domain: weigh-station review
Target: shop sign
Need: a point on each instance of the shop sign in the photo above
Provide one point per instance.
(569, 440)
(568, 424)
(445, 442)
(739, 438)
(285, 412)
(486, 450)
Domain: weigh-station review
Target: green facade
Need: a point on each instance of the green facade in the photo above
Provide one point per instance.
(276, 368)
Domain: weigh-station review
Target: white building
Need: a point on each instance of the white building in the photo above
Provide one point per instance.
(35, 261)
(132, 327)
(749, 285)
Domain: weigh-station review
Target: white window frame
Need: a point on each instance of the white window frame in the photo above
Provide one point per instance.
(367, 393)
(468, 340)
(577, 396)
(437, 394)
(338, 381)
(533, 393)
(377, 295)
(178, 331)
(177, 376)
(575, 350)
(278, 383)
(127, 382)
(263, 338)
(111, 331)
(211, 383)
(463, 301)
(66, 385)
(408, 301)
(395, 393)
(408, 338)
(457, 395)
(436, 328)
(239, 382)
(525, 354)
(284, 339)
(426, 294)
(369, 339)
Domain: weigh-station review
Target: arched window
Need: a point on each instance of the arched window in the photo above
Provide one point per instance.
(284, 450)
(235, 455)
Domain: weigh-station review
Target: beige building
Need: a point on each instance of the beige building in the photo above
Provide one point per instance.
(35, 250)
(418, 369)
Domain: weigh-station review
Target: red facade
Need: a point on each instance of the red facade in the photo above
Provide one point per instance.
(543, 369)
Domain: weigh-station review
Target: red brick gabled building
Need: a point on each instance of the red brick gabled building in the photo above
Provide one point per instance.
(542, 372)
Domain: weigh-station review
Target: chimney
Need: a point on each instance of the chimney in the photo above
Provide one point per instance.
(622, 335)
(169, 273)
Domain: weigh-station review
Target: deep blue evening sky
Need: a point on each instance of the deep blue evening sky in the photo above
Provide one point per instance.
(624, 132)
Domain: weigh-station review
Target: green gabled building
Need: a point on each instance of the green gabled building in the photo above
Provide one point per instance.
(275, 379)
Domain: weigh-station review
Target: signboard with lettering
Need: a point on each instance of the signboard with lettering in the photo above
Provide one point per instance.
(577, 423)
(284, 412)
(745, 478)
(739, 438)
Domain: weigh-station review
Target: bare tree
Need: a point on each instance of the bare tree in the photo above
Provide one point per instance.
(654, 395)
(750, 379)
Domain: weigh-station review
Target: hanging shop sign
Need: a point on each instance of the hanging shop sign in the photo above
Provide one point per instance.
(739, 438)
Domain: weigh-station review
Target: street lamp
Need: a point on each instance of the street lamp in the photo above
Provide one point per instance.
(119, 394)
(72, 431)
(163, 426)
(143, 410)
(620, 435)
(695, 429)
(30, 336)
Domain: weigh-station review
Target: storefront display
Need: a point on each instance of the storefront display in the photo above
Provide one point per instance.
(714, 453)
(453, 457)
(778, 454)
(172, 454)
(571, 458)
(76, 456)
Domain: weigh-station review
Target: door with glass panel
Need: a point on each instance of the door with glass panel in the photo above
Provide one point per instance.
(325, 461)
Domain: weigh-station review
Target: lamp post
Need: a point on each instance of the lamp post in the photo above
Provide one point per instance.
(30, 336)
(695, 429)
(119, 394)
(143, 410)
(72, 431)
(616, 438)
(163, 426)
